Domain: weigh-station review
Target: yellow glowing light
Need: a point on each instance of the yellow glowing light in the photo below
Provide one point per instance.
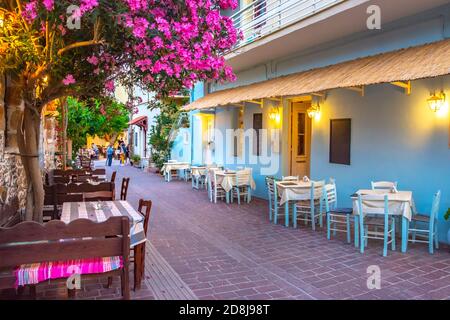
(274, 115)
(443, 111)
(2, 20)
(436, 102)
(314, 112)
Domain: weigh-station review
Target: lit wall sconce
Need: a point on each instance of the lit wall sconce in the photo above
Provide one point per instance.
(274, 114)
(314, 111)
(436, 102)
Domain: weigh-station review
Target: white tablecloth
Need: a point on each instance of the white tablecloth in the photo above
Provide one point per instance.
(228, 180)
(297, 191)
(199, 171)
(400, 203)
(175, 166)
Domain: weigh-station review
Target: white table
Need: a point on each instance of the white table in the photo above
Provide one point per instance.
(293, 191)
(89, 210)
(169, 166)
(401, 203)
(228, 179)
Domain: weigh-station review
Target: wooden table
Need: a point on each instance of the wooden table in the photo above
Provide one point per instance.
(100, 211)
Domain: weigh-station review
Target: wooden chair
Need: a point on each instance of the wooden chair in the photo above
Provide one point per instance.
(374, 213)
(32, 243)
(113, 177)
(99, 174)
(291, 178)
(54, 198)
(426, 226)
(145, 207)
(383, 185)
(310, 210)
(242, 186)
(336, 216)
(104, 191)
(216, 190)
(124, 188)
(10, 213)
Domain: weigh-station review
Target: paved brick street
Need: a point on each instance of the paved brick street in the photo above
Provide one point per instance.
(199, 250)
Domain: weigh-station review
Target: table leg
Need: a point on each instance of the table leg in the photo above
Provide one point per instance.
(405, 226)
(286, 214)
(356, 230)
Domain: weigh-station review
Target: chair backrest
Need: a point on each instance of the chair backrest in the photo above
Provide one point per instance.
(86, 187)
(316, 189)
(147, 204)
(31, 242)
(383, 185)
(291, 178)
(435, 207)
(63, 180)
(329, 196)
(124, 188)
(9, 213)
(99, 172)
(270, 183)
(98, 196)
(113, 177)
(243, 177)
(373, 205)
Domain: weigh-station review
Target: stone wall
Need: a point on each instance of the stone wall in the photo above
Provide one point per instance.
(12, 176)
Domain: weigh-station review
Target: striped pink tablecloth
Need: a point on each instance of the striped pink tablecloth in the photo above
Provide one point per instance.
(35, 273)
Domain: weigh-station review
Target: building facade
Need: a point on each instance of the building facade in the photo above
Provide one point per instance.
(340, 89)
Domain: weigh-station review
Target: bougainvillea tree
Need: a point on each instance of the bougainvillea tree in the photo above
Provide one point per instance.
(82, 48)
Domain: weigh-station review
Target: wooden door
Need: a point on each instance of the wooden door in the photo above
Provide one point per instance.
(300, 140)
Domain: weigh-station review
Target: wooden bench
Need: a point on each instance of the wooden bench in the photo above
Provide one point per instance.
(31, 242)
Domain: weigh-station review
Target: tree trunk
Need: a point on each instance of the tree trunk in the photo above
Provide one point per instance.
(113, 138)
(29, 151)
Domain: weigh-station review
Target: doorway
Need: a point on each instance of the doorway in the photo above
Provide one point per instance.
(301, 128)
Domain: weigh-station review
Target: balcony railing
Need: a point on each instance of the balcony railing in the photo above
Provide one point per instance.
(263, 17)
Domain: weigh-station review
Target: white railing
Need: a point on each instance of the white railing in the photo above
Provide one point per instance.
(263, 17)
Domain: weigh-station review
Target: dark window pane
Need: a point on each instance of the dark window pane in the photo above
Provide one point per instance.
(301, 145)
(340, 141)
(301, 123)
(257, 126)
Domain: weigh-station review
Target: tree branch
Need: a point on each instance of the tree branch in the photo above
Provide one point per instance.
(80, 44)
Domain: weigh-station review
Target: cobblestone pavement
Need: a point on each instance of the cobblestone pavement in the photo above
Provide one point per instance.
(200, 250)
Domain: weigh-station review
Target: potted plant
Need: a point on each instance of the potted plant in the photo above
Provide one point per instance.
(136, 160)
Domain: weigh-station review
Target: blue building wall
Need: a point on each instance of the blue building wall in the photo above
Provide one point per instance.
(394, 136)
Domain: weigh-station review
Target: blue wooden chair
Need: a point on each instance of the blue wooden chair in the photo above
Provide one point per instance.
(336, 217)
(310, 210)
(274, 199)
(374, 212)
(428, 234)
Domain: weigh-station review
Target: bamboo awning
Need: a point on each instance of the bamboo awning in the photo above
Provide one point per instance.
(426, 61)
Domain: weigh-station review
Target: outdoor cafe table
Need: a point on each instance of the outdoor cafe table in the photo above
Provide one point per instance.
(169, 166)
(227, 179)
(99, 211)
(401, 203)
(292, 191)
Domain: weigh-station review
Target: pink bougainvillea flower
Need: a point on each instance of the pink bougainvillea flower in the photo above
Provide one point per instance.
(109, 86)
(49, 4)
(68, 80)
(92, 60)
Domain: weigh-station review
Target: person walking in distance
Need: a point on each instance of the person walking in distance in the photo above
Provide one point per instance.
(109, 155)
